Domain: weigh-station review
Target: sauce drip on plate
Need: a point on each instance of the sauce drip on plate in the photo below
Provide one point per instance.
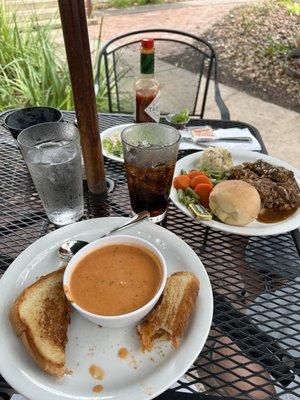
(123, 352)
(96, 372)
(97, 388)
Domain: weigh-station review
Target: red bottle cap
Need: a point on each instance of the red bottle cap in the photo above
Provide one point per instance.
(147, 44)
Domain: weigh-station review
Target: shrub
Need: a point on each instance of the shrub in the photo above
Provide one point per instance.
(33, 67)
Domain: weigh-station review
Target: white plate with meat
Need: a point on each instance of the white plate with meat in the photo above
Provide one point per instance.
(139, 376)
(254, 228)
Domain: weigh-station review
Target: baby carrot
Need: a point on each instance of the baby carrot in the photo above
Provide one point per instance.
(203, 190)
(199, 179)
(181, 182)
(194, 173)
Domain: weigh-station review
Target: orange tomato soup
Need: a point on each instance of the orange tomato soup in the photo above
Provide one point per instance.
(116, 279)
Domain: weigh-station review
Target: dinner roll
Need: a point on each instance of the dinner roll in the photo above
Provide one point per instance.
(235, 202)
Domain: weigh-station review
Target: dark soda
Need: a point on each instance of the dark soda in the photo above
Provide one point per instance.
(149, 187)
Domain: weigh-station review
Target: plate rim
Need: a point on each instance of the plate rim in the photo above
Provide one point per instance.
(37, 391)
(108, 133)
(270, 229)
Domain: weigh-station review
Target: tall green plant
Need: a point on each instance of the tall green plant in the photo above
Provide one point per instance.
(33, 67)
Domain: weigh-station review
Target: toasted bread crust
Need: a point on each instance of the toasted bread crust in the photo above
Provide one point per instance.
(168, 320)
(24, 332)
(185, 309)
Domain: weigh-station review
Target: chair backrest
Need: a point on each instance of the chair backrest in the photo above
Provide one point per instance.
(184, 66)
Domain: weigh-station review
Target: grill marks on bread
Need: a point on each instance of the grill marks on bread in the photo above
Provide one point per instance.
(47, 319)
(170, 317)
(40, 316)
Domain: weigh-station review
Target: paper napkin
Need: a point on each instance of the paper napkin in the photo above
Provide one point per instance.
(222, 133)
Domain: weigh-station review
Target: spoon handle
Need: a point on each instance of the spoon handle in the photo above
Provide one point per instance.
(143, 215)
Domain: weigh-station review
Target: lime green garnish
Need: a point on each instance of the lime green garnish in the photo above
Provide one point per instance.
(181, 117)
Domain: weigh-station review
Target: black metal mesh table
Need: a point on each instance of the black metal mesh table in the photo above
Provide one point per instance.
(254, 344)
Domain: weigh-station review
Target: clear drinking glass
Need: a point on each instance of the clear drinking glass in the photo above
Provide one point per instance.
(150, 154)
(53, 156)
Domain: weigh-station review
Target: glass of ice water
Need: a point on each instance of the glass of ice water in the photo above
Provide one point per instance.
(53, 156)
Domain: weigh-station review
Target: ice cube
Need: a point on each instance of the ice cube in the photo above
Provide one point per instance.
(52, 153)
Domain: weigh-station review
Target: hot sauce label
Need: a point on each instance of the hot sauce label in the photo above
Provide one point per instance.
(153, 109)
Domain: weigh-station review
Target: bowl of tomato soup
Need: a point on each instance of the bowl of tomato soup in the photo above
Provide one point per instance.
(115, 281)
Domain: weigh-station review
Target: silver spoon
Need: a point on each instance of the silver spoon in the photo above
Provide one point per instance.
(67, 249)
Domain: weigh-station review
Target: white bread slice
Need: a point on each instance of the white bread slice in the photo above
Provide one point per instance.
(40, 316)
(169, 319)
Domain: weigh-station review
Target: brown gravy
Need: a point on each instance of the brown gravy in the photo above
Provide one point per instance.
(269, 216)
(116, 279)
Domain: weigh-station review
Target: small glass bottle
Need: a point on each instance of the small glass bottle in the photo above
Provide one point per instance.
(146, 87)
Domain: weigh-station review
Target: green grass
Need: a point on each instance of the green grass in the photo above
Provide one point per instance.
(248, 23)
(33, 67)
(271, 46)
(274, 47)
(130, 3)
(292, 6)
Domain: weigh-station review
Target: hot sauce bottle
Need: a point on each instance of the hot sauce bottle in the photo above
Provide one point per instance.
(146, 88)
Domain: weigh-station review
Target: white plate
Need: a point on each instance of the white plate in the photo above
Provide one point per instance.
(115, 130)
(138, 377)
(255, 228)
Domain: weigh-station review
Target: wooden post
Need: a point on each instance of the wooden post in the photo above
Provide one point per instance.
(74, 26)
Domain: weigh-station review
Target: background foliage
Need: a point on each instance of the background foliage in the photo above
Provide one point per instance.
(33, 67)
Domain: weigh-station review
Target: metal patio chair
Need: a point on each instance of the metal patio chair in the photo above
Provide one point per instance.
(184, 66)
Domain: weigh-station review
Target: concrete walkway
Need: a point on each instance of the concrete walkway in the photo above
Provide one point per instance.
(279, 127)
(193, 16)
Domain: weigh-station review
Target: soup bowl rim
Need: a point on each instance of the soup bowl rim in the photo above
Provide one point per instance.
(104, 242)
